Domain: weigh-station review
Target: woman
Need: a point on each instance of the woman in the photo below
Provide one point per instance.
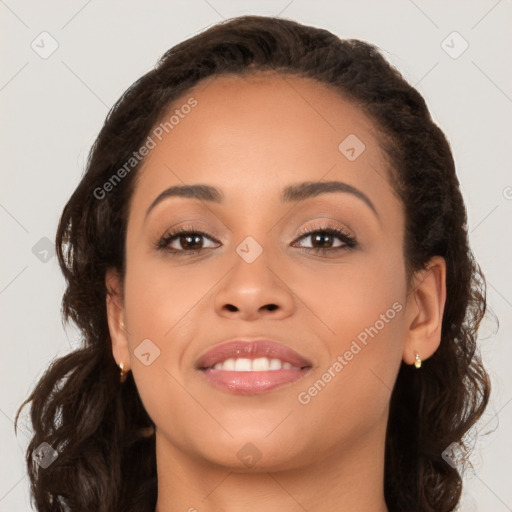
(269, 262)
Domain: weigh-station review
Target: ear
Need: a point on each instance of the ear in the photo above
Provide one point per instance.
(116, 318)
(424, 311)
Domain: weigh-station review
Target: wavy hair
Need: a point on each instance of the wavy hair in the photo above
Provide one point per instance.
(99, 428)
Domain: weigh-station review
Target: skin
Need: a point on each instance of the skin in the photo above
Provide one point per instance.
(251, 137)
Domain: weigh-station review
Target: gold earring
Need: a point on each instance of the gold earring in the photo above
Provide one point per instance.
(123, 374)
(417, 362)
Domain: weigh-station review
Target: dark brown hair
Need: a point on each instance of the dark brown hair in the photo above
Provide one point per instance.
(106, 458)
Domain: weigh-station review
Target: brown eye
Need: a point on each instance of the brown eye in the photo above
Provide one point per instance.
(328, 239)
(184, 241)
(190, 241)
(322, 240)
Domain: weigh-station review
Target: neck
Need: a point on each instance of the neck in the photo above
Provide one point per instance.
(350, 479)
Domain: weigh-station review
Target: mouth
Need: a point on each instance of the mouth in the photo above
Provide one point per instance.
(252, 367)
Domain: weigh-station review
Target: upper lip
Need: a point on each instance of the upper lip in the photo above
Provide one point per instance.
(251, 349)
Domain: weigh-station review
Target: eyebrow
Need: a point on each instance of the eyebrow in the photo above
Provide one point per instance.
(291, 193)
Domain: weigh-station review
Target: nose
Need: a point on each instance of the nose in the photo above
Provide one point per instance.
(255, 290)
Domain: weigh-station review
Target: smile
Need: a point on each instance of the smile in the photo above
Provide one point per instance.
(252, 367)
(260, 364)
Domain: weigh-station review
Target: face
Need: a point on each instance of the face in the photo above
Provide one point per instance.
(321, 273)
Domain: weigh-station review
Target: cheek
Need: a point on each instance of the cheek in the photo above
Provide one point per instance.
(159, 305)
(160, 302)
(159, 295)
(346, 298)
(360, 313)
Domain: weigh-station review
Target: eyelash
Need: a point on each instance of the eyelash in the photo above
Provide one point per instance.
(349, 241)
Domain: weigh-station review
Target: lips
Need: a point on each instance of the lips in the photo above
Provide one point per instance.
(251, 349)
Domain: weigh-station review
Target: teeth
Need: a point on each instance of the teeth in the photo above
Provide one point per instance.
(243, 365)
(275, 364)
(229, 364)
(260, 364)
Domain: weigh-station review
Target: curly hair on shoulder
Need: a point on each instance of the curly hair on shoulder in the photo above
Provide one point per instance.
(78, 404)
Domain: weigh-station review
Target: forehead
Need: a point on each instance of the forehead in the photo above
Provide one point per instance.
(256, 133)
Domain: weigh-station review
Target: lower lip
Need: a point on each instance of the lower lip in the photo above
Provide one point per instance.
(253, 383)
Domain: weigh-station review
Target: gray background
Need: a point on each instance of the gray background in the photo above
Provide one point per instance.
(52, 109)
